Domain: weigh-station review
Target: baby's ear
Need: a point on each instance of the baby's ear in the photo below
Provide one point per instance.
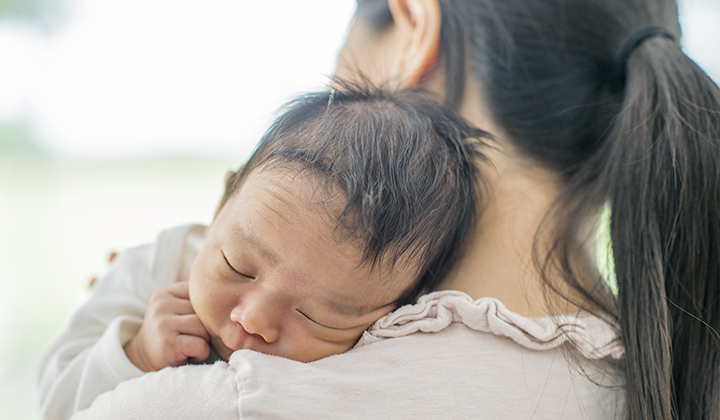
(228, 180)
(228, 177)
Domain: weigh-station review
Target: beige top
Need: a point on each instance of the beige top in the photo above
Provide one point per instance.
(446, 357)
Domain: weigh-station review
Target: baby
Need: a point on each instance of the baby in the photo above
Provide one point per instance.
(355, 201)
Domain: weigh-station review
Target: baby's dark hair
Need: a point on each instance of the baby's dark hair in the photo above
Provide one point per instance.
(406, 165)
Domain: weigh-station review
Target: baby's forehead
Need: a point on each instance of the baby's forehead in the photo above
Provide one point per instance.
(305, 199)
(277, 200)
(296, 190)
(300, 198)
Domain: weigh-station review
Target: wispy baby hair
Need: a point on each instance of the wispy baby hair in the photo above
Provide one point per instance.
(406, 166)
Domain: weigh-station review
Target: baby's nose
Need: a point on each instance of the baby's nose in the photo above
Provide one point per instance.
(259, 315)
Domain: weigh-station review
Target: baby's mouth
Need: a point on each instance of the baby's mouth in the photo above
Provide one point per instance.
(219, 347)
(238, 338)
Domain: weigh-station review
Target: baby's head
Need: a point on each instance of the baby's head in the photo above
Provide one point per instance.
(354, 202)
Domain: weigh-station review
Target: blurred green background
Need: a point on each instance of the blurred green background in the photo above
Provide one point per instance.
(112, 130)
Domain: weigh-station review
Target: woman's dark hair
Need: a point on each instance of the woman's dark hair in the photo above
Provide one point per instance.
(643, 138)
(407, 168)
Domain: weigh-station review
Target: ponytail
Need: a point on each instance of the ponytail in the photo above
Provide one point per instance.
(662, 174)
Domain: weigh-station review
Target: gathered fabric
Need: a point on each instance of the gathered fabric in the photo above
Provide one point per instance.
(593, 337)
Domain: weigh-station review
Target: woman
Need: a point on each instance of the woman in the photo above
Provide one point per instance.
(592, 105)
(598, 98)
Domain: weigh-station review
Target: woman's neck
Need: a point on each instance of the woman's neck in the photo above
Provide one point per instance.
(498, 257)
(497, 260)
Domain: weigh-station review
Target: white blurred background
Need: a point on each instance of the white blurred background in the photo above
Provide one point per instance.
(119, 118)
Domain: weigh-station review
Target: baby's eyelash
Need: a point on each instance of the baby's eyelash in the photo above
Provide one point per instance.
(233, 268)
(305, 315)
(323, 325)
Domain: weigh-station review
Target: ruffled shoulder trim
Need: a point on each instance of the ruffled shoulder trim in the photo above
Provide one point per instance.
(593, 337)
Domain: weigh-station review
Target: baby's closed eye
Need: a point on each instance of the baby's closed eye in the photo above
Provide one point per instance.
(332, 326)
(239, 272)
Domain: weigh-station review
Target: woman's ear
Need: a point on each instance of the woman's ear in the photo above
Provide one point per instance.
(417, 26)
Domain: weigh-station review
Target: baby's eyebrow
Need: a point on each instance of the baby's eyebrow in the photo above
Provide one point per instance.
(246, 235)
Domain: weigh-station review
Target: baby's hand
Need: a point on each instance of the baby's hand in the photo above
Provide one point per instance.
(171, 334)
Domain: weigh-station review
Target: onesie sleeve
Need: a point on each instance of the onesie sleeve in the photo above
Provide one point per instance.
(87, 358)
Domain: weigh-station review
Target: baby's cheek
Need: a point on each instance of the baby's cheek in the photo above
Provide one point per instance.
(193, 292)
(200, 297)
(204, 284)
(195, 279)
(328, 344)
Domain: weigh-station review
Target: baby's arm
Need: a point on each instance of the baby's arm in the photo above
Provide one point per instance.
(88, 357)
(171, 334)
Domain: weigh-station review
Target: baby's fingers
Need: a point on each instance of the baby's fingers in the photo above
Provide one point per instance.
(179, 290)
(192, 348)
(169, 300)
(191, 325)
